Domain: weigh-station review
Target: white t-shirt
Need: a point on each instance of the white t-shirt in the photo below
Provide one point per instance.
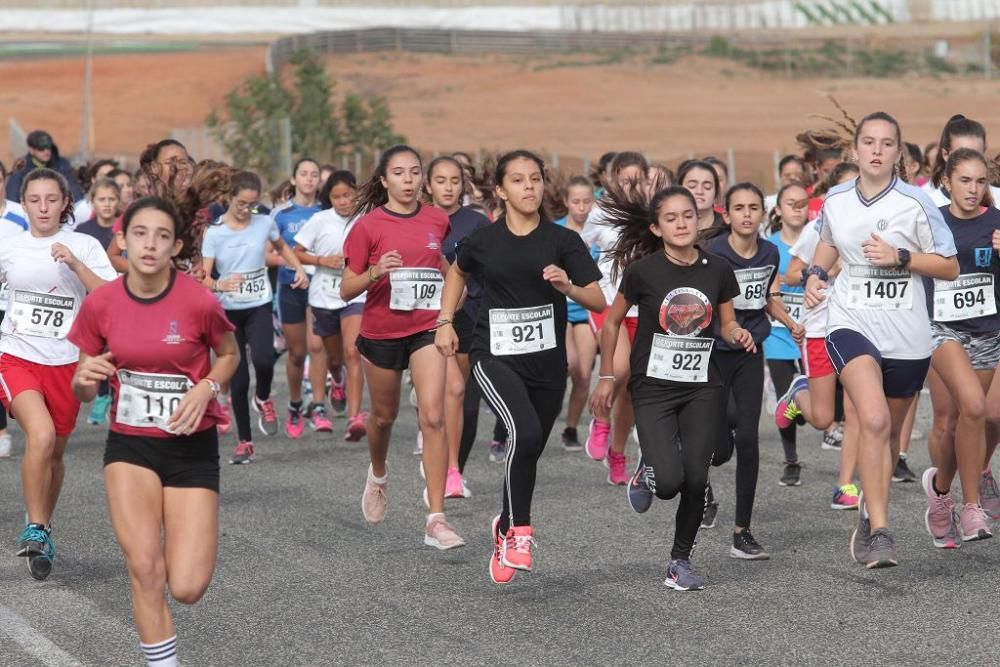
(813, 319)
(597, 232)
(939, 198)
(887, 306)
(45, 295)
(323, 235)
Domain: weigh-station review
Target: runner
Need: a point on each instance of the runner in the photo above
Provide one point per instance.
(702, 180)
(527, 266)
(791, 170)
(879, 338)
(13, 220)
(394, 253)
(446, 185)
(788, 217)
(49, 271)
(293, 302)
(581, 340)
(161, 463)
(124, 181)
(966, 330)
(755, 263)
(320, 243)
(235, 246)
(958, 132)
(683, 295)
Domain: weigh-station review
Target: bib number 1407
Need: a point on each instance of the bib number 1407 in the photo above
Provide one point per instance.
(879, 288)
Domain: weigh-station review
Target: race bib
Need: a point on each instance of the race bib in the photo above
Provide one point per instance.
(47, 315)
(253, 287)
(970, 296)
(4, 296)
(146, 400)
(415, 289)
(753, 288)
(329, 282)
(879, 288)
(679, 358)
(522, 330)
(794, 306)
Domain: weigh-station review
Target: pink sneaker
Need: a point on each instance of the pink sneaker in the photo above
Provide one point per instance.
(616, 469)
(940, 515)
(989, 494)
(455, 486)
(294, 424)
(973, 523)
(375, 499)
(517, 547)
(225, 424)
(356, 428)
(440, 535)
(499, 573)
(597, 439)
(319, 421)
(338, 398)
(243, 453)
(268, 421)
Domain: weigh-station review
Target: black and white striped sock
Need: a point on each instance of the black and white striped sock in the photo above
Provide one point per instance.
(161, 654)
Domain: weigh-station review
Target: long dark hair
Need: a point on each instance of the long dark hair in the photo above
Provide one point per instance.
(501, 171)
(162, 205)
(957, 126)
(688, 166)
(632, 214)
(46, 174)
(373, 194)
(960, 155)
(900, 165)
(335, 178)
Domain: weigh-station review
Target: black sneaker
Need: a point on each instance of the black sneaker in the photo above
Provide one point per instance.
(790, 477)
(902, 473)
(570, 441)
(711, 508)
(639, 495)
(746, 547)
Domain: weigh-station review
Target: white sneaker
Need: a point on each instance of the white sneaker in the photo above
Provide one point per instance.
(5, 443)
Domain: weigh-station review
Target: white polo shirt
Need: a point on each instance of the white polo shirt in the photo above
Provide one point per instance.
(886, 305)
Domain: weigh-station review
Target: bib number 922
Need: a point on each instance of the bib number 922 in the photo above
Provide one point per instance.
(686, 361)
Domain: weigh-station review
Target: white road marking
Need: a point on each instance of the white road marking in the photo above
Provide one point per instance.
(33, 642)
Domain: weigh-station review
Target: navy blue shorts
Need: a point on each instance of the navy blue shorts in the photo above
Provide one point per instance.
(292, 304)
(326, 322)
(901, 378)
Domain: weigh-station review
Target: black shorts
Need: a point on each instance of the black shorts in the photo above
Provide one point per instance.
(182, 461)
(901, 378)
(326, 321)
(292, 304)
(393, 354)
(464, 326)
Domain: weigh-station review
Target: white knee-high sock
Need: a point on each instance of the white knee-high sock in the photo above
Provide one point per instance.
(161, 654)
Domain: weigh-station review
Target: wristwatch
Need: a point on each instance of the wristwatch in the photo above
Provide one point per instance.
(904, 257)
(216, 387)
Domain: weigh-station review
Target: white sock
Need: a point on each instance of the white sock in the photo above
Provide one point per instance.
(378, 480)
(434, 515)
(161, 654)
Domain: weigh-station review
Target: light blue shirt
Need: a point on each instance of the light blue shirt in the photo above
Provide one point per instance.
(242, 252)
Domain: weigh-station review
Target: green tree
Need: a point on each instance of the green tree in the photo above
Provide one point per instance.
(250, 126)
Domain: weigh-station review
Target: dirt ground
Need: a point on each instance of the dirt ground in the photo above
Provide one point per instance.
(572, 105)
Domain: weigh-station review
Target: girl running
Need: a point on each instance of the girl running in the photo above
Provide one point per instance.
(394, 253)
(48, 271)
(236, 247)
(755, 263)
(581, 341)
(878, 332)
(320, 243)
(702, 180)
(446, 185)
(788, 217)
(527, 266)
(293, 301)
(958, 132)
(683, 296)
(966, 331)
(152, 333)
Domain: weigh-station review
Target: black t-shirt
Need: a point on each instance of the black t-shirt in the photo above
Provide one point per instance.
(509, 268)
(974, 242)
(464, 221)
(92, 228)
(676, 301)
(754, 276)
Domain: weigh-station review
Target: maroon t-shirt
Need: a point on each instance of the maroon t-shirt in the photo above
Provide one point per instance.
(418, 237)
(154, 342)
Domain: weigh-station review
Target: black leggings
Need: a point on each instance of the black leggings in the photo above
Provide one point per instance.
(782, 372)
(470, 424)
(528, 413)
(677, 431)
(743, 378)
(253, 327)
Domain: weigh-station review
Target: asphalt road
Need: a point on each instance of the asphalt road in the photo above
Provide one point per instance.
(302, 580)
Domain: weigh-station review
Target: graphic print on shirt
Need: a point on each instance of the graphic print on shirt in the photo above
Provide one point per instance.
(680, 356)
(685, 312)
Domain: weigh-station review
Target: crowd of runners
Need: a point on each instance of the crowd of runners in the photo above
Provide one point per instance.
(666, 303)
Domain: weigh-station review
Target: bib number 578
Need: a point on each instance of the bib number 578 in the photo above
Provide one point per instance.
(47, 317)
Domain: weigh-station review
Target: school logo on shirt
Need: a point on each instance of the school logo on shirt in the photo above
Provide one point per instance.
(882, 225)
(432, 242)
(983, 256)
(172, 337)
(685, 312)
